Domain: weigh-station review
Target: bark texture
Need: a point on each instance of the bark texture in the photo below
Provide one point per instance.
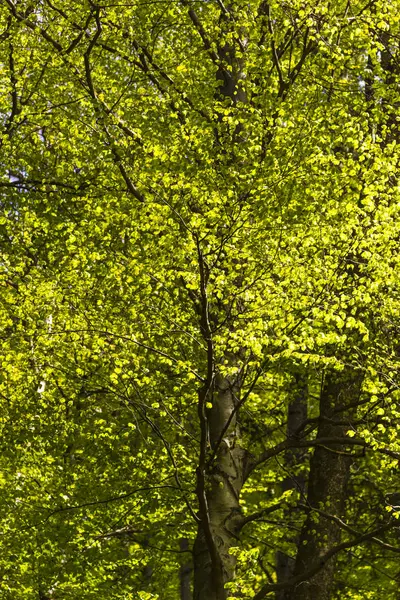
(297, 414)
(329, 471)
(185, 573)
(224, 475)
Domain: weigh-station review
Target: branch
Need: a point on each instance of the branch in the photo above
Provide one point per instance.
(107, 500)
(117, 158)
(308, 47)
(203, 395)
(122, 337)
(80, 35)
(314, 569)
(33, 26)
(323, 441)
(199, 27)
(259, 514)
(346, 527)
(167, 447)
(15, 109)
(88, 52)
(29, 184)
(118, 161)
(275, 58)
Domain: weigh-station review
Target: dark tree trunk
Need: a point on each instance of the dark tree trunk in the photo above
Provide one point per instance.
(329, 470)
(297, 414)
(185, 573)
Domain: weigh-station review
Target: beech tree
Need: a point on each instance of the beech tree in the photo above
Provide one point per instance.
(199, 300)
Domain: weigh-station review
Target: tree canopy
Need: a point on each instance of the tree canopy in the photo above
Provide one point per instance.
(199, 229)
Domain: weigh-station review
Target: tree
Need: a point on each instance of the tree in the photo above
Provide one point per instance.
(199, 234)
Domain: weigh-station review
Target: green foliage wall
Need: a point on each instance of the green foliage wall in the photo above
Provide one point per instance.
(190, 190)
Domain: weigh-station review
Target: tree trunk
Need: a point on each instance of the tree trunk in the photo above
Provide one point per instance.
(329, 470)
(185, 573)
(220, 475)
(297, 414)
(224, 476)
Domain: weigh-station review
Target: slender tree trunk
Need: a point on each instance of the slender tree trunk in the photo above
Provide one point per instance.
(185, 573)
(297, 414)
(329, 470)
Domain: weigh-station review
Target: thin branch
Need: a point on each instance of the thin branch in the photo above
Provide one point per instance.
(107, 500)
(323, 441)
(275, 58)
(200, 29)
(121, 337)
(259, 514)
(347, 528)
(314, 569)
(33, 26)
(167, 447)
(129, 532)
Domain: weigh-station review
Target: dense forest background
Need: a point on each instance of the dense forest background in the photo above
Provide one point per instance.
(199, 305)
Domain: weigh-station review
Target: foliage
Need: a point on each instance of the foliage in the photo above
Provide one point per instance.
(159, 231)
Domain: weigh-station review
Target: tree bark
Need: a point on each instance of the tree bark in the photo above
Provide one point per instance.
(297, 414)
(224, 475)
(329, 471)
(185, 573)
